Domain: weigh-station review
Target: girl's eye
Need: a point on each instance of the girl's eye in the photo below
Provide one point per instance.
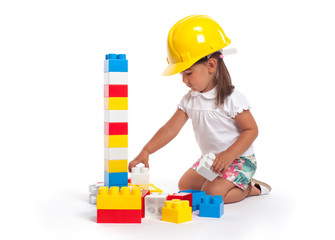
(188, 73)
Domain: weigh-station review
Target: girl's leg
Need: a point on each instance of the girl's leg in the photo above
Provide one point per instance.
(237, 194)
(219, 186)
(229, 192)
(191, 180)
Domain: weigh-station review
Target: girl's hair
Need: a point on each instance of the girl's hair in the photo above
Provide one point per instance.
(222, 78)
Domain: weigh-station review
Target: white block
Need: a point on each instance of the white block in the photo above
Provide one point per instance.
(94, 187)
(154, 204)
(204, 168)
(116, 78)
(116, 116)
(116, 153)
(140, 175)
(93, 199)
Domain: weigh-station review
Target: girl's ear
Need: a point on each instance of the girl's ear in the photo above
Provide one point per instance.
(211, 65)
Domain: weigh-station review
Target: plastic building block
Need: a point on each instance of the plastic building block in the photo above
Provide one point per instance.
(151, 187)
(115, 153)
(112, 198)
(181, 196)
(177, 211)
(116, 166)
(93, 190)
(204, 168)
(116, 103)
(93, 199)
(116, 78)
(116, 128)
(211, 206)
(196, 197)
(119, 179)
(116, 63)
(116, 115)
(140, 175)
(154, 189)
(144, 193)
(119, 216)
(154, 204)
(115, 90)
(116, 141)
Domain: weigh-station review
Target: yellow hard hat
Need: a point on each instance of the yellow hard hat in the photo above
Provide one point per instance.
(191, 39)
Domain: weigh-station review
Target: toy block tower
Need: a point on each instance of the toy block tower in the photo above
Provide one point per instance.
(116, 120)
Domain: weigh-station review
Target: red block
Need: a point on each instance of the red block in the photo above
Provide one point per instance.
(112, 90)
(116, 128)
(119, 216)
(181, 196)
(144, 193)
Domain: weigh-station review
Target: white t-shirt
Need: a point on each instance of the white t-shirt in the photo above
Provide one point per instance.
(214, 127)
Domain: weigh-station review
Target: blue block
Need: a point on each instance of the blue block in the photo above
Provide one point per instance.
(211, 206)
(116, 63)
(119, 179)
(196, 197)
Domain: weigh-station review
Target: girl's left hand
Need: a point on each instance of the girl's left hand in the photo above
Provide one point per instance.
(222, 162)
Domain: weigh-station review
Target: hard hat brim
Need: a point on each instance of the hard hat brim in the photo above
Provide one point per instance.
(172, 69)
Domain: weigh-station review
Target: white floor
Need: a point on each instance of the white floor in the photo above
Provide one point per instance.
(66, 214)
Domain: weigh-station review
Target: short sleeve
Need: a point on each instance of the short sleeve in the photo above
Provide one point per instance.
(184, 101)
(235, 104)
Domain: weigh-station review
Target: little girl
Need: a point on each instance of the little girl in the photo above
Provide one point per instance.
(222, 121)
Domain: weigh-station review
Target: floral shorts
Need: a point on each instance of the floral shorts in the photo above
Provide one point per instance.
(239, 172)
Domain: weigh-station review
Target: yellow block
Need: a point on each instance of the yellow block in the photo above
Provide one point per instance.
(152, 188)
(177, 211)
(116, 141)
(116, 165)
(112, 198)
(116, 103)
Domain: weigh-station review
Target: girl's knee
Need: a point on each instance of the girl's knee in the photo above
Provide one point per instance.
(182, 185)
(219, 186)
(191, 180)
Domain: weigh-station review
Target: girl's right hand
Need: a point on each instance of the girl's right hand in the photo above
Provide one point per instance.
(143, 157)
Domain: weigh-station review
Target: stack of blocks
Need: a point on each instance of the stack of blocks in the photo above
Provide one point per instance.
(118, 203)
(116, 120)
(114, 206)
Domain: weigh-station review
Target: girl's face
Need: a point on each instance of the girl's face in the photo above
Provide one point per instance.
(200, 76)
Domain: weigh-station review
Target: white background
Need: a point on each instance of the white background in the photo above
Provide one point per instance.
(51, 96)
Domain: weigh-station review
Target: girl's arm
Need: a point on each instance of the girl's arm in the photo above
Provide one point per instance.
(163, 136)
(249, 132)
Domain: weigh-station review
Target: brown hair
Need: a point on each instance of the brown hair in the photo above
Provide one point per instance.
(222, 78)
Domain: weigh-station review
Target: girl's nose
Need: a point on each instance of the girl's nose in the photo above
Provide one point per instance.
(185, 79)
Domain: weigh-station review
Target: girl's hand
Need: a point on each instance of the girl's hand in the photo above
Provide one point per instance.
(222, 162)
(143, 157)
